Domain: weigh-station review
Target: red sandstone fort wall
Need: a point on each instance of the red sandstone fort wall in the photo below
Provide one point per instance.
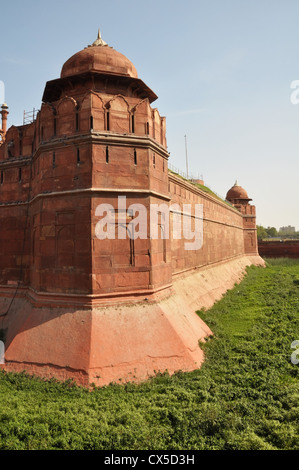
(75, 305)
(223, 235)
(54, 241)
(279, 248)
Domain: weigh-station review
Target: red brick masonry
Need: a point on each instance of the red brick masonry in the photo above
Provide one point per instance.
(279, 248)
(72, 305)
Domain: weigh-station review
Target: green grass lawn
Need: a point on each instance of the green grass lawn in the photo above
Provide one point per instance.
(246, 395)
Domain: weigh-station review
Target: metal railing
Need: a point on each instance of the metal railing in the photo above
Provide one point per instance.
(29, 116)
(192, 178)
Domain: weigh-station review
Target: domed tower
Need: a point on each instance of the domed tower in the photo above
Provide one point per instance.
(238, 197)
(85, 302)
(100, 143)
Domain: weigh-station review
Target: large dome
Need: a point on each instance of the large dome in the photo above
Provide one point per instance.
(99, 57)
(237, 192)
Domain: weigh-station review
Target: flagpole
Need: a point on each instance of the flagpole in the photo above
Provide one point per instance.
(186, 157)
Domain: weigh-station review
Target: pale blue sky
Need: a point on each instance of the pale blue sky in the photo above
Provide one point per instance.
(222, 70)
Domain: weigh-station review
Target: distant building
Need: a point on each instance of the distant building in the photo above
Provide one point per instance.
(287, 230)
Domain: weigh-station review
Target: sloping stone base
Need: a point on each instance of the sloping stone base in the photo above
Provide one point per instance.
(118, 342)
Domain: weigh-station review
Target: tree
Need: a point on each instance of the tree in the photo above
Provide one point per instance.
(272, 232)
(261, 232)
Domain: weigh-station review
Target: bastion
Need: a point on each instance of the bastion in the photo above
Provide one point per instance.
(108, 302)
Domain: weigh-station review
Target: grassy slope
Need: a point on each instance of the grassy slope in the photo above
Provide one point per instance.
(244, 397)
(204, 188)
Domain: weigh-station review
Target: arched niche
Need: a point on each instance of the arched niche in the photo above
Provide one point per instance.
(47, 121)
(84, 114)
(98, 112)
(66, 116)
(142, 113)
(158, 127)
(91, 113)
(65, 247)
(28, 138)
(12, 143)
(118, 115)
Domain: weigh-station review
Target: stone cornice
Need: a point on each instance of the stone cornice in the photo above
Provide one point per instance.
(92, 191)
(56, 299)
(15, 162)
(104, 138)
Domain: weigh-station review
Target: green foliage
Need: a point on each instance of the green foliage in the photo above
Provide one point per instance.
(245, 396)
(272, 232)
(269, 232)
(261, 232)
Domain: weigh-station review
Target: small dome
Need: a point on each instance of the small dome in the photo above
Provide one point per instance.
(99, 57)
(237, 192)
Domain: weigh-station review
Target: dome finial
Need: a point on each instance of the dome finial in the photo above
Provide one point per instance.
(99, 41)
